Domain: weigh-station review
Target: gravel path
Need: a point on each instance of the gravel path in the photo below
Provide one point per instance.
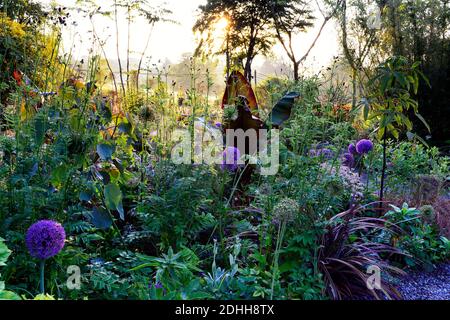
(434, 285)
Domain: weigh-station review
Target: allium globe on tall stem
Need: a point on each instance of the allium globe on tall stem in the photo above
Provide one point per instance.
(352, 149)
(45, 239)
(364, 146)
(348, 160)
(231, 155)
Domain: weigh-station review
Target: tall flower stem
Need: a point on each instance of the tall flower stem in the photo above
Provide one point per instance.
(42, 268)
(275, 268)
(383, 169)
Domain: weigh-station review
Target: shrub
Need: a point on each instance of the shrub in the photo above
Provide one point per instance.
(418, 240)
(346, 252)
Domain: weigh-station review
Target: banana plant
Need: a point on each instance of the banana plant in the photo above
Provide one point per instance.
(241, 107)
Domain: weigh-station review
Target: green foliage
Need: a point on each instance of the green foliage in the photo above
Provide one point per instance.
(418, 239)
(299, 266)
(140, 227)
(4, 254)
(407, 160)
(182, 206)
(394, 83)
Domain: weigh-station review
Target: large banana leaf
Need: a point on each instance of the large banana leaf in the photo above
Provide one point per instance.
(237, 86)
(281, 112)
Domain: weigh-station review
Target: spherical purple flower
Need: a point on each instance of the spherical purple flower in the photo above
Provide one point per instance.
(364, 146)
(348, 160)
(352, 149)
(231, 156)
(218, 125)
(45, 239)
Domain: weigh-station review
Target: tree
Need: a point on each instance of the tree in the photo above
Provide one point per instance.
(419, 30)
(392, 87)
(361, 43)
(133, 8)
(291, 17)
(249, 32)
(415, 29)
(25, 12)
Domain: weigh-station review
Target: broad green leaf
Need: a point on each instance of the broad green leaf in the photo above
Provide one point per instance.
(380, 133)
(9, 295)
(394, 133)
(85, 196)
(59, 175)
(101, 218)
(125, 127)
(424, 78)
(282, 110)
(366, 107)
(4, 253)
(105, 151)
(113, 198)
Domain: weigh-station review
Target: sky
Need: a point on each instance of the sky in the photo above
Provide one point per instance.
(171, 40)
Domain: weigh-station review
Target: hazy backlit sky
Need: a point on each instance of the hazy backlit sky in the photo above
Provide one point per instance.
(170, 41)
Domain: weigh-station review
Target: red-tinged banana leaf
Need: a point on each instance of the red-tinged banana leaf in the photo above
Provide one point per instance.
(281, 112)
(237, 86)
(245, 119)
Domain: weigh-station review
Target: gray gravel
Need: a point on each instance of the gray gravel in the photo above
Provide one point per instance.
(422, 285)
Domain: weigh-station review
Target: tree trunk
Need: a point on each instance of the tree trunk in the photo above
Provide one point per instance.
(142, 58)
(248, 70)
(249, 58)
(117, 49)
(354, 71)
(296, 68)
(128, 48)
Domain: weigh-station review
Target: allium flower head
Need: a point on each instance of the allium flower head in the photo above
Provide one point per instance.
(352, 149)
(286, 210)
(364, 146)
(348, 160)
(45, 239)
(324, 152)
(218, 125)
(231, 156)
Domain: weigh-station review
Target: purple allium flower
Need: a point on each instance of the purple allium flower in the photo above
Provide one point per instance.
(45, 239)
(348, 160)
(352, 149)
(218, 125)
(312, 153)
(231, 156)
(364, 146)
(324, 152)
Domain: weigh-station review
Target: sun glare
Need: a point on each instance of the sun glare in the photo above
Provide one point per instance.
(220, 28)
